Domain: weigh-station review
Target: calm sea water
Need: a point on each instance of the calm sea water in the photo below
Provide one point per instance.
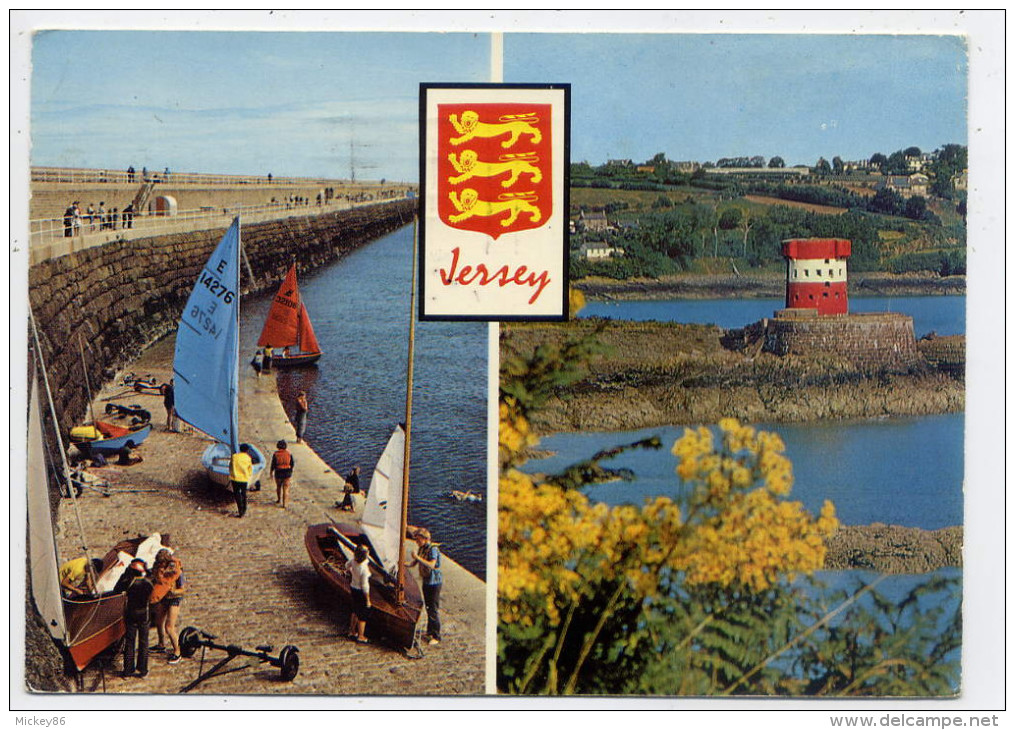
(902, 471)
(360, 310)
(905, 471)
(943, 315)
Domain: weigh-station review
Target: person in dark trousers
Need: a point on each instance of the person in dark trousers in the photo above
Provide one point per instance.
(266, 359)
(428, 558)
(351, 488)
(302, 409)
(68, 222)
(241, 469)
(128, 216)
(137, 617)
(359, 574)
(169, 401)
(282, 465)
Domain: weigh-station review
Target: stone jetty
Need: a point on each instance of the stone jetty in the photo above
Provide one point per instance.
(250, 581)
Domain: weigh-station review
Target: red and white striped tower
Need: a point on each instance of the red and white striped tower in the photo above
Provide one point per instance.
(816, 274)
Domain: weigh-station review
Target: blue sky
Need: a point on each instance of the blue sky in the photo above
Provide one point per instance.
(702, 97)
(303, 103)
(241, 102)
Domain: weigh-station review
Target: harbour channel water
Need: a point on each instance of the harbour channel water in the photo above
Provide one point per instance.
(360, 310)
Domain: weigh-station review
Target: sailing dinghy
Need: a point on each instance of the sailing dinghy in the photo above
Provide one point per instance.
(106, 438)
(288, 327)
(206, 361)
(396, 598)
(330, 546)
(83, 626)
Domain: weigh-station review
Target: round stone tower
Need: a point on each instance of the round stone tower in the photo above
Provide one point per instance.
(816, 274)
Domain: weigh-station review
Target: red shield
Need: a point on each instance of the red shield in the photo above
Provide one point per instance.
(494, 166)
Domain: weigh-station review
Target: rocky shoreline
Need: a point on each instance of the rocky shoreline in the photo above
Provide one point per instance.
(762, 286)
(658, 373)
(664, 373)
(894, 549)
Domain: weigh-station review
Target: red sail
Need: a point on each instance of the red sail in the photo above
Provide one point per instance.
(307, 339)
(281, 329)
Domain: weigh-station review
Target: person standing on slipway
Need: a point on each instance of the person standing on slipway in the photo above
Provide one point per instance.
(241, 469)
(137, 617)
(428, 558)
(302, 408)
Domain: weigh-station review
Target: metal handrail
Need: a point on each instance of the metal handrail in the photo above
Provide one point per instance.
(125, 177)
(85, 231)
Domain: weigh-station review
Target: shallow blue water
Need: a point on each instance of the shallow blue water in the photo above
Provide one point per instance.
(902, 471)
(943, 315)
(359, 307)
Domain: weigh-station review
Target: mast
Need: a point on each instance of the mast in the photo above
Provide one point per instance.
(59, 441)
(404, 522)
(88, 387)
(235, 416)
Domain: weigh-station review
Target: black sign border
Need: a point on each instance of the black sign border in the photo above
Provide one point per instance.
(421, 314)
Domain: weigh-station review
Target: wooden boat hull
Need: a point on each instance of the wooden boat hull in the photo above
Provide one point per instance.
(295, 361)
(216, 463)
(389, 620)
(95, 623)
(114, 445)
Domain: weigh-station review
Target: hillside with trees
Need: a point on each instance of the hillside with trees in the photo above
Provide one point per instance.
(667, 219)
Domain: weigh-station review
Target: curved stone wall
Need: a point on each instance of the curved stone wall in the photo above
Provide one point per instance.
(118, 298)
(875, 341)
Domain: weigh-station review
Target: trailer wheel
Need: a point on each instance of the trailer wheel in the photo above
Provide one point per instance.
(189, 641)
(289, 660)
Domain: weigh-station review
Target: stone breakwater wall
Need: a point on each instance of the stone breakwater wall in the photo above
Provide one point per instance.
(119, 298)
(883, 341)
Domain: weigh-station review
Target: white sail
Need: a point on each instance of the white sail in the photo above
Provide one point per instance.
(41, 543)
(383, 509)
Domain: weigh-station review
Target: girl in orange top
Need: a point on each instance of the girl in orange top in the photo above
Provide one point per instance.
(167, 576)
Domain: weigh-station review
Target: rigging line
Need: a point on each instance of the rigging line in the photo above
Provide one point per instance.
(88, 387)
(63, 459)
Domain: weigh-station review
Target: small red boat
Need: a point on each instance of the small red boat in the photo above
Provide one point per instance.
(288, 328)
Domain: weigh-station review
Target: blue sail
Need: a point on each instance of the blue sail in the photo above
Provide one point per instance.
(206, 362)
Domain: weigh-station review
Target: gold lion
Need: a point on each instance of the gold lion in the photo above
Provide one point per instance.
(513, 203)
(513, 124)
(469, 165)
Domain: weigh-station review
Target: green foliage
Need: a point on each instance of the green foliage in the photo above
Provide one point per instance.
(950, 160)
(946, 262)
(592, 471)
(532, 380)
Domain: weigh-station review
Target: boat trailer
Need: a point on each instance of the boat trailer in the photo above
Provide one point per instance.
(192, 638)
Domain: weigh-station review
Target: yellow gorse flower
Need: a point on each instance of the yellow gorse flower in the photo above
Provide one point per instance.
(556, 547)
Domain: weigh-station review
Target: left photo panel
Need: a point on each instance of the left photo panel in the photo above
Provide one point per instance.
(250, 469)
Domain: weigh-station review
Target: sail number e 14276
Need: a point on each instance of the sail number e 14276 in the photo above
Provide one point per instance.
(217, 288)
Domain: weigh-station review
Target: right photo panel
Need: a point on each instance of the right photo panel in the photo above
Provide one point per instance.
(737, 469)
